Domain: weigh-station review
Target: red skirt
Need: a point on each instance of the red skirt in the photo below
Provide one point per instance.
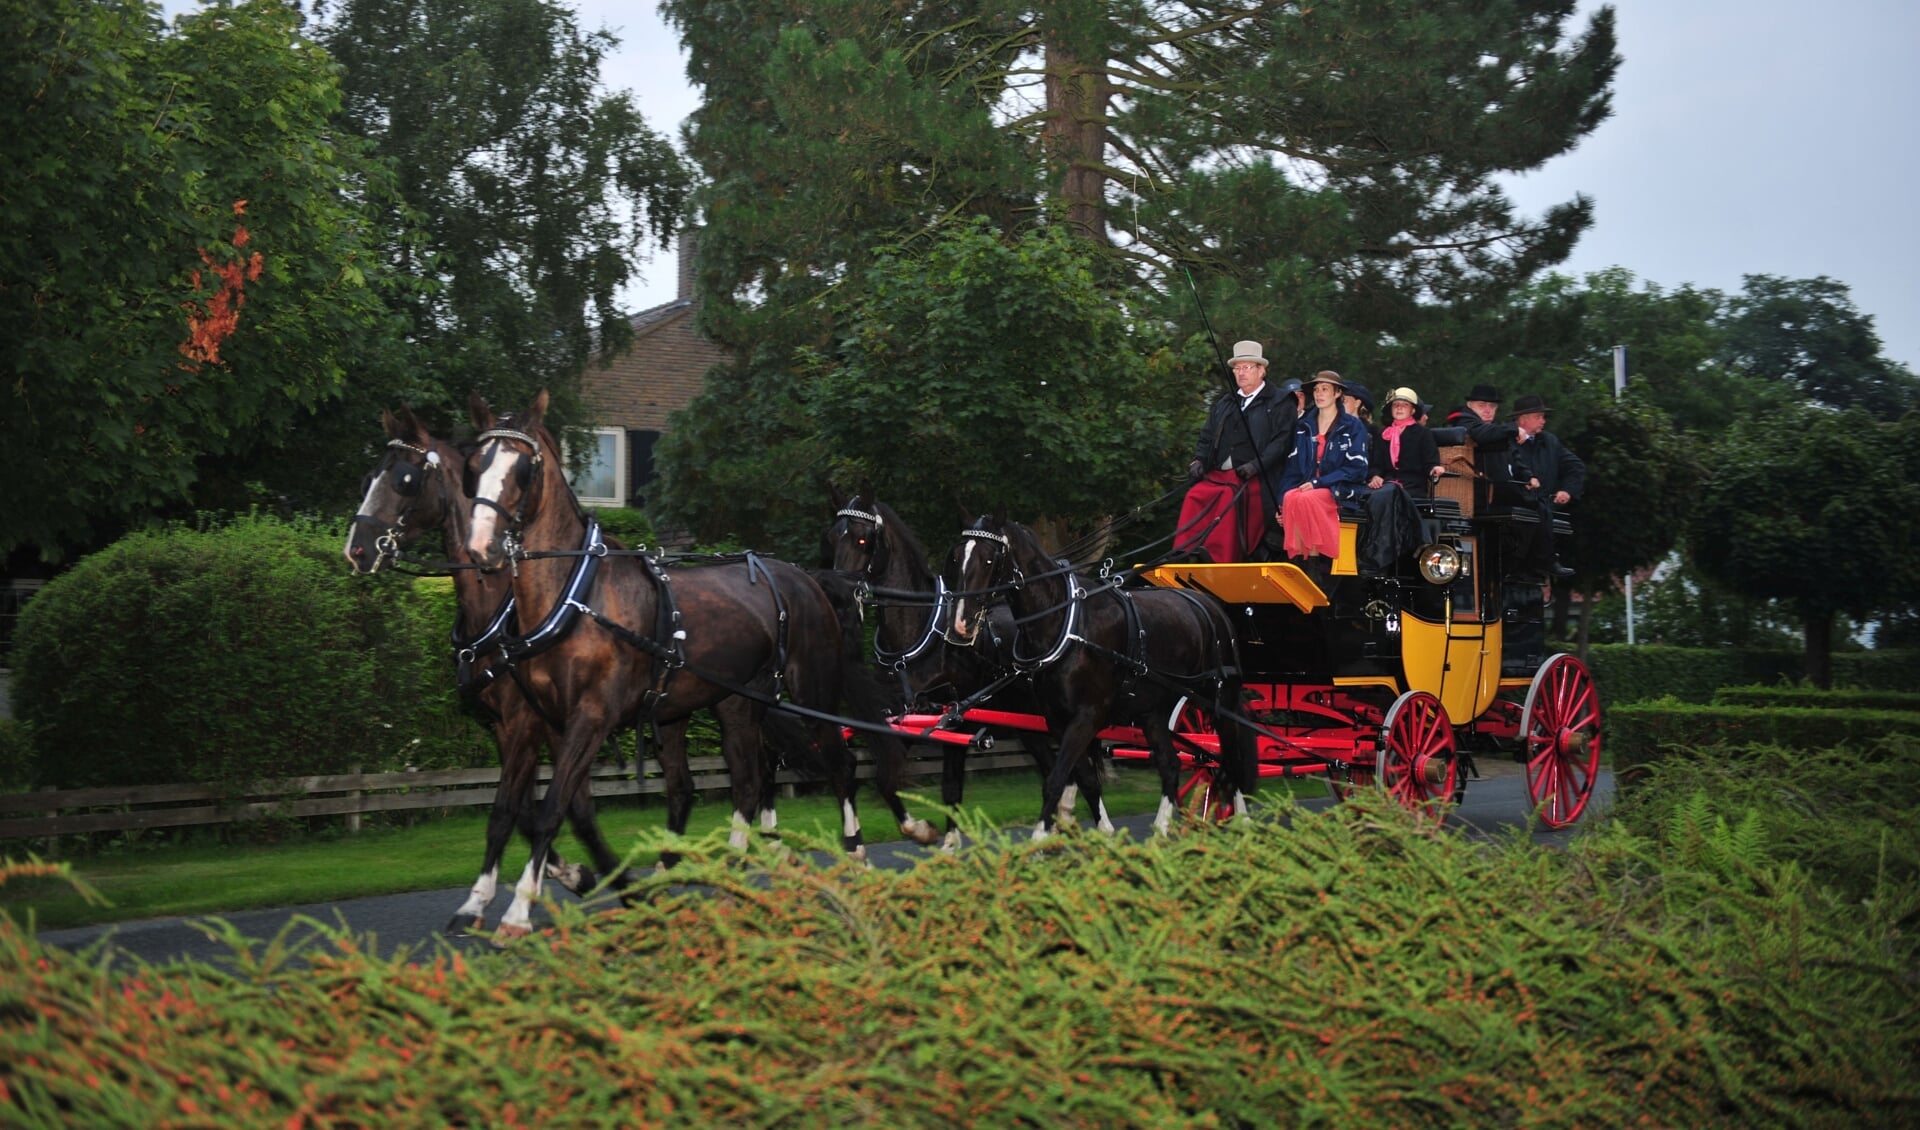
(1311, 520)
(1229, 538)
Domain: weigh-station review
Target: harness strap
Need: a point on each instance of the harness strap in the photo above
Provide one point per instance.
(758, 568)
(566, 611)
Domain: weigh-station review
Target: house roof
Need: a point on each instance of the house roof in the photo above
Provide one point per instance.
(653, 317)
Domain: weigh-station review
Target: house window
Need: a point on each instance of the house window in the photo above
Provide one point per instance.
(603, 480)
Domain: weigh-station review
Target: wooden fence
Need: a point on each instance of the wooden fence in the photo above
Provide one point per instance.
(69, 812)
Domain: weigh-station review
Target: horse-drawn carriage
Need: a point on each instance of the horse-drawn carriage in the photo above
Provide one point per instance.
(1217, 674)
(1392, 678)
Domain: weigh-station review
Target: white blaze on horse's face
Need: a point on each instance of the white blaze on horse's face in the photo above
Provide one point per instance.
(493, 481)
(962, 618)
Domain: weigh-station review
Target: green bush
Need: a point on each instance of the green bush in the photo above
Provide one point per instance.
(1349, 968)
(629, 527)
(16, 755)
(229, 655)
(1642, 733)
(1814, 697)
(1637, 674)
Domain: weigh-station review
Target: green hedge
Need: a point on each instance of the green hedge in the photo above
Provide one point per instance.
(1639, 734)
(1816, 698)
(1638, 674)
(229, 655)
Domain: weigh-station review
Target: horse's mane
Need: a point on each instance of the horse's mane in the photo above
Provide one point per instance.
(911, 541)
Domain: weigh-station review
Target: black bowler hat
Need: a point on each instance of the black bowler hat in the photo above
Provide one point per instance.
(1485, 392)
(1526, 404)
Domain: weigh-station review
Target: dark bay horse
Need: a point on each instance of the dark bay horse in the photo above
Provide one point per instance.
(414, 489)
(1103, 655)
(646, 642)
(911, 645)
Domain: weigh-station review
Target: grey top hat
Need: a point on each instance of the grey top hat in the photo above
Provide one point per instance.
(1248, 351)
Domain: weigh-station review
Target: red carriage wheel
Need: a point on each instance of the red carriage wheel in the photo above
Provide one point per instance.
(1560, 728)
(1205, 791)
(1417, 765)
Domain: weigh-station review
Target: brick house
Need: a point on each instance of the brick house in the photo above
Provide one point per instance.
(632, 397)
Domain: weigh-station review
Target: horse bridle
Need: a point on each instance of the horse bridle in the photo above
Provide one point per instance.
(516, 519)
(386, 545)
(875, 566)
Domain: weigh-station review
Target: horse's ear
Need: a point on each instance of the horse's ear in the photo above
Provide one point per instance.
(478, 411)
(410, 425)
(833, 492)
(537, 411)
(391, 423)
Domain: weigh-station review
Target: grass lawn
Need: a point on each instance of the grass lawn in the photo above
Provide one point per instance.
(206, 877)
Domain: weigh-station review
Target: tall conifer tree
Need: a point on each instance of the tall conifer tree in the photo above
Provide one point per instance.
(1329, 169)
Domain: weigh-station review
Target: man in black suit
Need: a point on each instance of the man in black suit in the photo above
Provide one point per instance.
(1539, 474)
(1238, 459)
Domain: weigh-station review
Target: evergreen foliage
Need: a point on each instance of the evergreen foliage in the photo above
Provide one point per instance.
(1347, 968)
(1328, 170)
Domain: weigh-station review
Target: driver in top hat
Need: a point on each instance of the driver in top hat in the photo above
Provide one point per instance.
(1240, 453)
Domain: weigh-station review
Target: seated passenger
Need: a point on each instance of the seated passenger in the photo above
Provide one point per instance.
(1407, 453)
(1483, 403)
(1328, 467)
(1405, 462)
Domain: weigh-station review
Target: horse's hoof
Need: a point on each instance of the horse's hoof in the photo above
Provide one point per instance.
(506, 935)
(458, 927)
(950, 844)
(919, 831)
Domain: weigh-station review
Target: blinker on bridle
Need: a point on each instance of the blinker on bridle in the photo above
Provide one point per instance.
(407, 481)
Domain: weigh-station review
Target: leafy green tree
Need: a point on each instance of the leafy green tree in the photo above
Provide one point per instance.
(1809, 334)
(185, 260)
(1676, 343)
(524, 191)
(1328, 171)
(994, 373)
(1642, 479)
(1814, 508)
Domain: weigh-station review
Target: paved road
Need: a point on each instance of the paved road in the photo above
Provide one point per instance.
(1494, 805)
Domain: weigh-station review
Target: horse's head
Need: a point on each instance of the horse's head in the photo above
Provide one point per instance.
(979, 563)
(506, 476)
(858, 539)
(411, 490)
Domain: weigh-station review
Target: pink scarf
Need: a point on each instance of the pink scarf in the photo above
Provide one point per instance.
(1392, 432)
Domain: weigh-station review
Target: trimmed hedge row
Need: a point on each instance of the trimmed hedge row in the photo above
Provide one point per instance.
(1640, 734)
(1814, 697)
(227, 655)
(1637, 674)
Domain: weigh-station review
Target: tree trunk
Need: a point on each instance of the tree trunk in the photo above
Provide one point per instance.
(1075, 137)
(1819, 629)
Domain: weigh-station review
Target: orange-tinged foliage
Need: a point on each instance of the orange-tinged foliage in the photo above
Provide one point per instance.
(1348, 969)
(212, 321)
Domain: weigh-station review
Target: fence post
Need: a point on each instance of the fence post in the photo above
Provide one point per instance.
(353, 818)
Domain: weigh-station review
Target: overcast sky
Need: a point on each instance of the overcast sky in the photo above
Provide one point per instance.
(1748, 137)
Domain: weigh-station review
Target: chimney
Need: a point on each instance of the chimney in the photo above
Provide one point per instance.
(688, 250)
